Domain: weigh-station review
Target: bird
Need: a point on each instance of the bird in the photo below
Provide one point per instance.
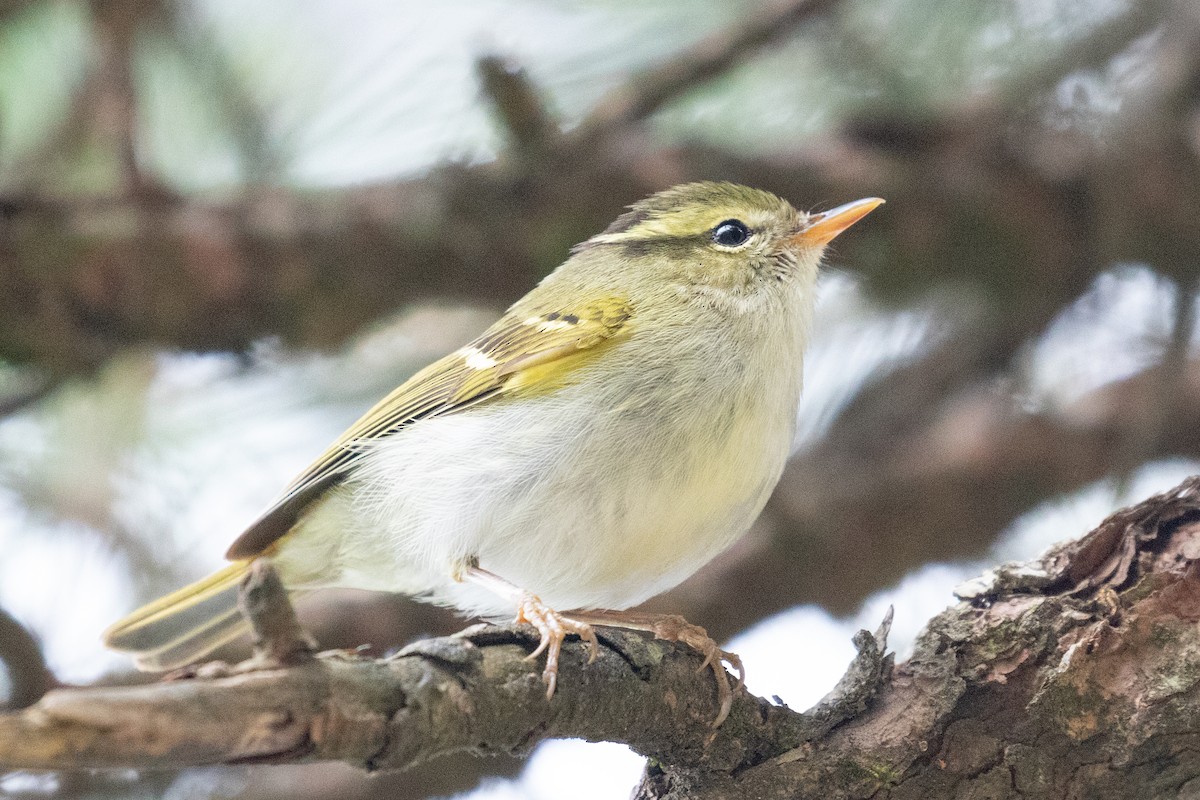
(616, 429)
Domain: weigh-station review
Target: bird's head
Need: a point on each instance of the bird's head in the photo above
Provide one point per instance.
(723, 237)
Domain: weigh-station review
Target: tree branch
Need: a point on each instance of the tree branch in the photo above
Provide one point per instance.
(473, 691)
(1067, 675)
(648, 92)
(530, 126)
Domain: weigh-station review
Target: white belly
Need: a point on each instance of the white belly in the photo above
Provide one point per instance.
(583, 497)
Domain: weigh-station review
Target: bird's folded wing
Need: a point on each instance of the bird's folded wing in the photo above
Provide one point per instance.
(520, 353)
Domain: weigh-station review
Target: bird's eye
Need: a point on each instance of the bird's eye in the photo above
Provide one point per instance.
(731, 233)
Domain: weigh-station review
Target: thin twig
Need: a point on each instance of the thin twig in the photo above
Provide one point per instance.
(648, 92)
(278, 637)
(39, 388)
(530, 125)
(114, 117)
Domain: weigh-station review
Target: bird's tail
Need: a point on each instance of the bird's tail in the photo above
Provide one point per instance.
(184, 626)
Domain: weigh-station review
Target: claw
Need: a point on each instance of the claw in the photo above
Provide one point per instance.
(676, 629)
(539, 650)
(553, 628)
(593, 646)
(735, 661)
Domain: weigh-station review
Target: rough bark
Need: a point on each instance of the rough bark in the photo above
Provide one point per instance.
(476, 691)
(1071, 676)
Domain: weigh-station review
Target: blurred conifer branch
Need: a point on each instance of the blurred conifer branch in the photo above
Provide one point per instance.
(21, 658)
(990, 199)
(644, 94)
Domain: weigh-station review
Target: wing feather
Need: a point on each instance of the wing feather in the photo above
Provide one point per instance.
(501, 358)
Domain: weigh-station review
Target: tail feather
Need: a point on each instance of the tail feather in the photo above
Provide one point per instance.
(184, 626)
(193, 645)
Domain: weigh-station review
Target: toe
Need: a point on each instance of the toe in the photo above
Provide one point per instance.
(724, 694)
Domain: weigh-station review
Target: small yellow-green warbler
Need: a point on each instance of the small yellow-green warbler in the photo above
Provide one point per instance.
(620, 425)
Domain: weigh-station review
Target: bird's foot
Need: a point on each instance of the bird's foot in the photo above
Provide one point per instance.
(674, 628)
(553, 627)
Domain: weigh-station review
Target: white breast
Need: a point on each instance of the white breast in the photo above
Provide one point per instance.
(590, 496)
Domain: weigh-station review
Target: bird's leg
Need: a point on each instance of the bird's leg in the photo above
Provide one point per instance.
(674, 628)
(552, 626)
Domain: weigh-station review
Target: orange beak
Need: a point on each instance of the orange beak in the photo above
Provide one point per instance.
(820, 229)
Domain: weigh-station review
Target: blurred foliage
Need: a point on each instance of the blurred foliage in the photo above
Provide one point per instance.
(195, 196)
